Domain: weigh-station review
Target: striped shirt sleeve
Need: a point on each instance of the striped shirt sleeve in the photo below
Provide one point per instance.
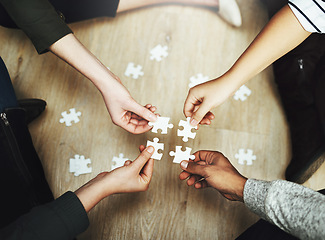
(310, 13)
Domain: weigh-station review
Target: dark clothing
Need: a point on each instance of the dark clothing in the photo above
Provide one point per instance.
(7, 93)
(44, 24)
(61, 219)
(29, 209)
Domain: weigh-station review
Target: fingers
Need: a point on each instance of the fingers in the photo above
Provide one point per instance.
(200, 113)
(141, 148)
(143, 112)
(193, 168)
(127, 163)
(143, 158)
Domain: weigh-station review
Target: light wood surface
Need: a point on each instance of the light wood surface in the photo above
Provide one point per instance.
(199, 42)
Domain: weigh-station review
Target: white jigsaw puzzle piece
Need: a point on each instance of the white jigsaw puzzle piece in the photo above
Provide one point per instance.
(180, 155)
(161, 123)
(70, 117)
(187, 130)
(243, 156)
(134, 71)
(158, 52)
(157, 146)
(197, 79)
(242, 93)
(79, 165)
(118, 161)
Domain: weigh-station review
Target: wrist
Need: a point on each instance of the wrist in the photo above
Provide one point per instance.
(240, 188)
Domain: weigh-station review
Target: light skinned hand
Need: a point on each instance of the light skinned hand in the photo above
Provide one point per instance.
(218, 172)
(125, 111)
(132, 177)
(202, 98)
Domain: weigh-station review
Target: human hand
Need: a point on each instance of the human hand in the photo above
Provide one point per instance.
(218, 172)
(125, 111)
(202, 98)
(132, 177)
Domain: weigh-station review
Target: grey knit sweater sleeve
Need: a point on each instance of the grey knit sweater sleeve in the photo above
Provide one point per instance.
(295, 209)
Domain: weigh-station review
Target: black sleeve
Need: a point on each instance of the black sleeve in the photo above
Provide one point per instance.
(62, 219)
(39, 20)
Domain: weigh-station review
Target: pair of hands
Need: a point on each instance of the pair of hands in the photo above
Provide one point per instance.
(128, 114)
(136, 176)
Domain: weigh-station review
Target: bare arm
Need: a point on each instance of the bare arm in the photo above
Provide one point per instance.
(124, 110)
(282, 34)
(279, 36)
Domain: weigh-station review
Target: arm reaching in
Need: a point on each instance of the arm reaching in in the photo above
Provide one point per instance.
(279, 36)
(295, 209)
(124, 110)
(132, 177)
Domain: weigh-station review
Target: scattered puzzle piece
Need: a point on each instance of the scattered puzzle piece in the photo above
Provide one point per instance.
(118, 161)
(180, 155)
(242, 156)
(198, 79)
(242, 93)
(157, 146)
(68, 118)
(161, 123)
(79, 165)
(187, 130)
(158, 52)
(134, 71)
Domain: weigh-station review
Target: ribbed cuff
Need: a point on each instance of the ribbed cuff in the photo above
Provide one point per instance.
(255, 192)
(72, 212)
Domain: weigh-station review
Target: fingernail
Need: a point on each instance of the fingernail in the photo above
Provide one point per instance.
(152, 117)
(193, 122)
(184, 164)
(150, 149)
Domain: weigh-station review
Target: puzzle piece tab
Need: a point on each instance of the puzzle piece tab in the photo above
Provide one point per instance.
(242, 156)
(68, 118)
(118, 161)
(242, 93)
(157, 146)
(187, 130)
(134, 71)
(79, 165)
(198, 79)
(180, 155)
(161, 123)
(158, 52)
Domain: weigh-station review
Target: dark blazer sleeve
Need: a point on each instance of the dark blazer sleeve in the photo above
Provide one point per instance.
(39, 20)
(62, 219)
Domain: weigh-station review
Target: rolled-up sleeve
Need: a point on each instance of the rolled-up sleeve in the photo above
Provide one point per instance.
(310, 14)
(39, 20)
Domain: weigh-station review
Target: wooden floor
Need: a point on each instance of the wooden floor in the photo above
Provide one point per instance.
(199, 42)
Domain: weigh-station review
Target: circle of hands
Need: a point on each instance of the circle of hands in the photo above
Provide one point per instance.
(208, 169)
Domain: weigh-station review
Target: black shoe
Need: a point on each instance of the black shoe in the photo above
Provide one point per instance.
(33, 108)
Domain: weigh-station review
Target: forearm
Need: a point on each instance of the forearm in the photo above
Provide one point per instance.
(293, 208)
(93, 192)
(282, 34)
(70, 49)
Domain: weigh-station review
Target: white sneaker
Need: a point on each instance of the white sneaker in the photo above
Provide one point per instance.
(229, 11)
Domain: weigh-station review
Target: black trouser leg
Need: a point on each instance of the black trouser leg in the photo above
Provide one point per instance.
(23, 184)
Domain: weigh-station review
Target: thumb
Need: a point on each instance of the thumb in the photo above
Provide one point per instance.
(142, 112)
(193, 168)
(143, 158)
(199, 114)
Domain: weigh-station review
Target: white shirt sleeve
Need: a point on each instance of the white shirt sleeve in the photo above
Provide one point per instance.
(310, 14)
